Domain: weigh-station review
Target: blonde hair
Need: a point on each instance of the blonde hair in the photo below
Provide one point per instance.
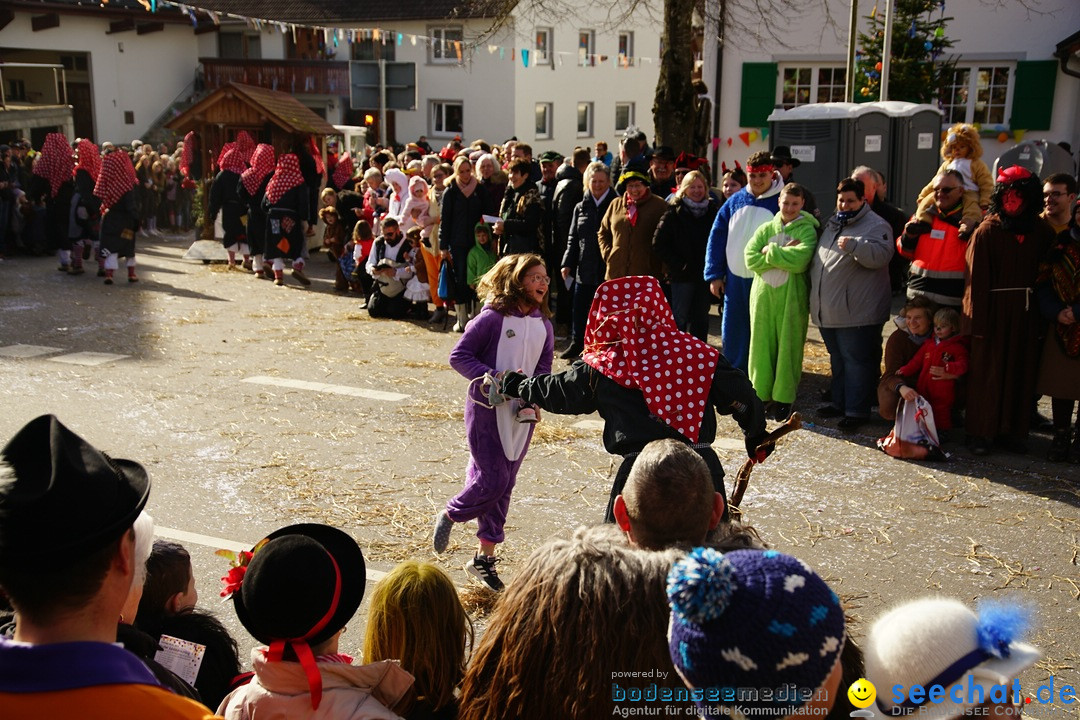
(503, 286)
(689, 178)
(327, 193)
(458, 162)
(417, 618)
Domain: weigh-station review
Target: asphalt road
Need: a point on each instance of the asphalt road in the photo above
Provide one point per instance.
(255, 406)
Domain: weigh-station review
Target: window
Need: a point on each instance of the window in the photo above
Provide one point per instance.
(542, 52)
(978, 94)
(584, 119)
(446, 45)
(586, 47)
(16, 90)
(543, 121)
(385, 48)
(624, 116)
(447, 117)
(814, 84)
(626, 49)
(239, 45)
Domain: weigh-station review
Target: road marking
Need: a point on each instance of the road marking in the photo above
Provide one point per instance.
(223, 544)
(27, 351)
(90, 359)
(325, 388)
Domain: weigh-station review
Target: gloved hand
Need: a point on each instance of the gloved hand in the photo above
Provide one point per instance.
(752, 451)
(511, 383)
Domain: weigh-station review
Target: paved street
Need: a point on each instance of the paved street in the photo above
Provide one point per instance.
(253, 406)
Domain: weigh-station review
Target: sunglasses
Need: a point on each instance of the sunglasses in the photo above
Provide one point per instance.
(944, 190)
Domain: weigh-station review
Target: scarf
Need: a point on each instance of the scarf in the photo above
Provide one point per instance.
(117, 178)
(467, 189)
(89, 158)
(224, 151)
(843, 217)
(262, 164)
(631, 210)
(55, 163)
(631, 338)
(286, 177)
(343, 171)
(232, 161)
(188, 154)
(1062, 271)
(245, 145)
(697, 209)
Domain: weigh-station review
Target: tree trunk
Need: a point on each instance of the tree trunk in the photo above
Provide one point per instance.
(673, 109)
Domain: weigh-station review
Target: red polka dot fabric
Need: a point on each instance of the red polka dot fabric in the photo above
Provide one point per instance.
(262, 164)
(55, 164)
(632, 339)
(89, 158)
(188, 155)
(286, 177)
(117, 178)
(245, 145)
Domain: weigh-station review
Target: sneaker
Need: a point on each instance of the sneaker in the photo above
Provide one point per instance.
(482, 567)
(527, 415)
(443, 525)
(438, 316)
(780, 411)
(301, 278)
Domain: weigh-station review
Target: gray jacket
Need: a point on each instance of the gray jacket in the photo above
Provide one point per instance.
(850, 288)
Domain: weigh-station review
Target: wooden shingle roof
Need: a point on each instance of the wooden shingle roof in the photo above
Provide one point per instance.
(280, 108)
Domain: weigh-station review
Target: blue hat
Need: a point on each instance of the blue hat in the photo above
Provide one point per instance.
(752, 619)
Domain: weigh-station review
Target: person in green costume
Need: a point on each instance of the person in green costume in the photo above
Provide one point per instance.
(779, 254)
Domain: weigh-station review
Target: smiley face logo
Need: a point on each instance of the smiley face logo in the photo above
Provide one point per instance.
(862, 693)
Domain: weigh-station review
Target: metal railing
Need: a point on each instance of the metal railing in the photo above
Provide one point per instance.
(314, 77)
(59, 81)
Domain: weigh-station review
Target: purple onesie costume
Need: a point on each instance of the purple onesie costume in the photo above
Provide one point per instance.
(497, 443)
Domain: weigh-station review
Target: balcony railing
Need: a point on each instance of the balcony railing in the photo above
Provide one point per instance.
(310, 77)
(40, 76)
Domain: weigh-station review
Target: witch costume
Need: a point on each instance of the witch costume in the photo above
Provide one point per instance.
(648, 380)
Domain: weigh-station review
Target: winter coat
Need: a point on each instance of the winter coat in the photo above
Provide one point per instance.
(582, 254)
(459, 216)
(523, 218)
(850, 288)
(628, 249)
(681, 240)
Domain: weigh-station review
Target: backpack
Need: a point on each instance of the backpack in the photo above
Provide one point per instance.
(914, 434)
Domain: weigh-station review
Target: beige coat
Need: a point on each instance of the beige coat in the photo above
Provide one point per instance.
(279, 691)
(628, 249)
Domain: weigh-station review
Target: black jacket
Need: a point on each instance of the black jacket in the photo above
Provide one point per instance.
(459, 217)
(582, 254)
(223, 199)
(523, 218)
(629, 425)
(681, 239)
(568, 193)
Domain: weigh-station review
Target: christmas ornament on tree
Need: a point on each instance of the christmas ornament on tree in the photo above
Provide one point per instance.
(917, 72)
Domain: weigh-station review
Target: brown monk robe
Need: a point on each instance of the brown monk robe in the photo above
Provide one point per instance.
(1001, 313)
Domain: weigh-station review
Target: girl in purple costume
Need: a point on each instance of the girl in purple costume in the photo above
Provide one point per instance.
(511, 333)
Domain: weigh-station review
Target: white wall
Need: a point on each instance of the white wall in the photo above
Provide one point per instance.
(481, 82)
(565, 82)
(144, 78)
(1005, 31)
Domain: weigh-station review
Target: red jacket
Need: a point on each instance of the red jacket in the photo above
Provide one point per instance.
(952, 354)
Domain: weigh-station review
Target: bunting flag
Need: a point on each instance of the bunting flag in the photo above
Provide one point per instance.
(745, 137)
(336, 35)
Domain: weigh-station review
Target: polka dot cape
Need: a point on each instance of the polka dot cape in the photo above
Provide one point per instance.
(632, 339)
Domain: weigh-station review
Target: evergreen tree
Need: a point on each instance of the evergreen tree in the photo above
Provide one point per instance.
(916, 73)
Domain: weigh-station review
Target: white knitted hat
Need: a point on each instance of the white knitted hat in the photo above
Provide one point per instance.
(939, 641)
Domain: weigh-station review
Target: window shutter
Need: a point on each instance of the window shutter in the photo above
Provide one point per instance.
(758, 93)
(1033, 94)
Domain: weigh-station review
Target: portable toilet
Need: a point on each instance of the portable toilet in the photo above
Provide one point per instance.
(830, 140)
(916, 150)
(1041, 157)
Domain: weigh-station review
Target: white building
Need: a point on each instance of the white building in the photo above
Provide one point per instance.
(1007, 69)
(554, 85)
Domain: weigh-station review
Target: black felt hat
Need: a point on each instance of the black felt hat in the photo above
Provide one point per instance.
(304, 584)
(782, 154)
(634, 170)
(663, 152)
(62, 499)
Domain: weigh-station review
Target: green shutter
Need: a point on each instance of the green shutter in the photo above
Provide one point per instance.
(758, 94)
(1033, 94)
